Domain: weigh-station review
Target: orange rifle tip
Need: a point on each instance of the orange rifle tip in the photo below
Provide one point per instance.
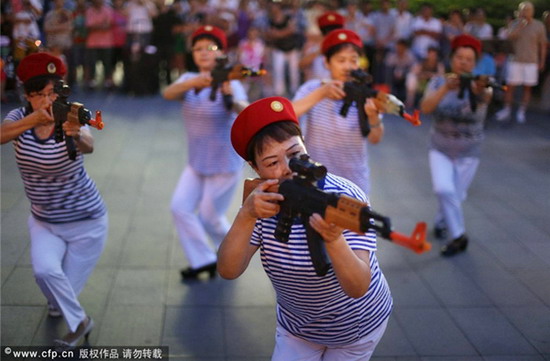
(98, 120)
(414, 119)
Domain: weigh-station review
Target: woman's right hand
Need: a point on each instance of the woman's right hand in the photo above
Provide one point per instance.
(334, 89)
(261, 203)
(43, 115)
(452, 81)
(203, 80)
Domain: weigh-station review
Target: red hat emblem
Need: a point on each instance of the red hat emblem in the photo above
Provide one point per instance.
(331, 18)
(340, 36)
(40, 64)
(212, 31)
(255, 117)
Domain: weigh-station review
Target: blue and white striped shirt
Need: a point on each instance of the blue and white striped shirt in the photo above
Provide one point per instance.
(58, 188)
(316, 308)
(208, 128)
(333, 140)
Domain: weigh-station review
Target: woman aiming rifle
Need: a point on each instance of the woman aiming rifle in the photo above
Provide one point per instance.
(339, 316)
(456, 137)
(332, 139)
(206, 185)
(68, 222)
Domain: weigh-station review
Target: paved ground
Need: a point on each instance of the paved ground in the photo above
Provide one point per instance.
(491, 303)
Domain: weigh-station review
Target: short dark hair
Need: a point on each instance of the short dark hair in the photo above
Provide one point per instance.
(37, 83)
(278, 131)
(327, 29)
(335, 49)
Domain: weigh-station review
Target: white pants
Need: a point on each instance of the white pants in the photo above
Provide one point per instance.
(211, 196)
(451, 179)
(280, 58)
(63, 256)
(291, 348)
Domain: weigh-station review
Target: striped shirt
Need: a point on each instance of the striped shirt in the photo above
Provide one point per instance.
(456, 131)
(333, 140)
(58, 188)
(208, 127)
(316, 308)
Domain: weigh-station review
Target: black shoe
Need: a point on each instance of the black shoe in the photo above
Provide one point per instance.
(455, 246)
(440, 232)
(193, 273)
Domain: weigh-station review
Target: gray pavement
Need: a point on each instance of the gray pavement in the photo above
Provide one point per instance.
(491, 303)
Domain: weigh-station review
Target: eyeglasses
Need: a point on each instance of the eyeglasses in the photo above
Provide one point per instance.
(52, 95)
(207, 48)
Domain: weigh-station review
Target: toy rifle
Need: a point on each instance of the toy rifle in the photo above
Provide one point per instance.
(223, 72)
(64, 111)
(302, 198)
(466, 84)
(359, 89)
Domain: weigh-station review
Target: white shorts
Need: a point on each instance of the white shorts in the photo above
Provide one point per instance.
(522, 74)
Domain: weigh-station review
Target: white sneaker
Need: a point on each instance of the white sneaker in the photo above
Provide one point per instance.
(520, 116)
(53, 311)
(503, 114)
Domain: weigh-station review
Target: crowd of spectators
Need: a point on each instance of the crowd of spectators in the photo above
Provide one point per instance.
(142, 45)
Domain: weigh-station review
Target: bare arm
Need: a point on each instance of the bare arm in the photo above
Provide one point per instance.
(375, 121)
(333, 90)
(82, 136)
(235, 250)
(175, 90)
(351, 267)
(11, 130)
(431, 99)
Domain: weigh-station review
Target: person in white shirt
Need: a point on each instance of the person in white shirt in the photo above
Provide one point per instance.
(427, 31)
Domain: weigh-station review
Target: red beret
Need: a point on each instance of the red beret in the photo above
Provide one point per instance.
(340, 36)
(256, 116)
(40, 64)
(213, 32)
(466, 40)
(331, 18)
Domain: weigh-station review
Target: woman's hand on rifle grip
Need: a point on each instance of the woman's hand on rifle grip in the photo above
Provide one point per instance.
(261, 203)
(226, 88)
(481, 88)
(203, 80)
(334, 89)
(72, 129)
(43, 115)
(373, 107)
(329, 231)
(452, 81)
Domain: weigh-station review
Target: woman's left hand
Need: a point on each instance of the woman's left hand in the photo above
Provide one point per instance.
(373, 107)
(72, 129)
(330, 232)
(226, 88)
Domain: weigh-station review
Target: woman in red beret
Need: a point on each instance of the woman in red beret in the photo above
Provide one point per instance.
(68, 222)
(206, 186)
(332, 139)
(458, 110)
(339, 316)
